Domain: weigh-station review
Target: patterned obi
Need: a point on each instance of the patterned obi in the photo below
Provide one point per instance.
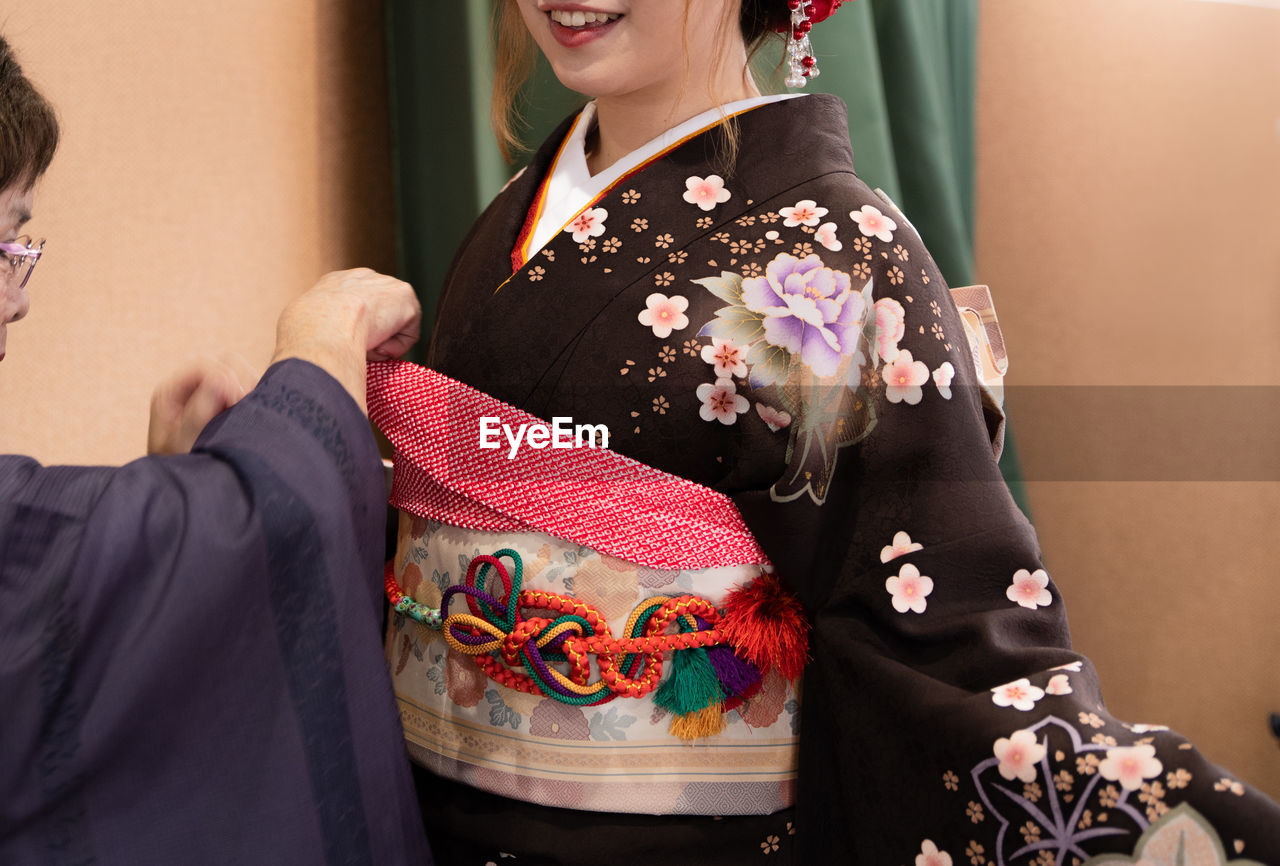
(575, 629)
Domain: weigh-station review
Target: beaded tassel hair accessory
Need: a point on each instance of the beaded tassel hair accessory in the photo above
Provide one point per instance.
(801, 61)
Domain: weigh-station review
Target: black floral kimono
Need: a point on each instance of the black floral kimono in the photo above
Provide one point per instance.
(780, 334)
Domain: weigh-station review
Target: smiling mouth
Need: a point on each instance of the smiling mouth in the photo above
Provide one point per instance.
(579, 20)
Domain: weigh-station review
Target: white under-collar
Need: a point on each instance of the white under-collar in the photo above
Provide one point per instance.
(571, 186)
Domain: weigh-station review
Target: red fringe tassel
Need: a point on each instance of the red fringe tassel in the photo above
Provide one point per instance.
(766, 626)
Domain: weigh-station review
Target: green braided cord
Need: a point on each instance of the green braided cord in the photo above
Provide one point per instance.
(630, 663)
(547, 688)
(517, 580)
(692, 686)
(576, 700)
(508, 622)
(558, 655)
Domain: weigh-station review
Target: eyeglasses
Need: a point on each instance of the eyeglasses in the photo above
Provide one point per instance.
(18, 259)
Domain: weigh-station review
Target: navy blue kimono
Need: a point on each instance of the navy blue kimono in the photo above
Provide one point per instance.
(190, 658)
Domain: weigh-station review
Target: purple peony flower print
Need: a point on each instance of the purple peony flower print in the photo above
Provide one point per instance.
(810, 310)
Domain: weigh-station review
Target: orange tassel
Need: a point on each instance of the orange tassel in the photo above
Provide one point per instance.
(706, 722)
(766, 626)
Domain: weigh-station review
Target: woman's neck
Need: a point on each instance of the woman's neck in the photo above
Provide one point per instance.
(624, 123)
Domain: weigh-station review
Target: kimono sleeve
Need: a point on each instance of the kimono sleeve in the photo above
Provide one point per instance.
(944, 716)
(203, 677)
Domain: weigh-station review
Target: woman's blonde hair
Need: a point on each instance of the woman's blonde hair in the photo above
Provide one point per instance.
(516, 56)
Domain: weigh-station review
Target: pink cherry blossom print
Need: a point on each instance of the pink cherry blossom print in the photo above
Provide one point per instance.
(805, 213)
(1030, 589)
(774, 419)
(826, 235)
(891, 325)
(903, 377)
(942, 378)
(664, 314)
(728, 359)
(1130, 765)
(706, 192)
(1019, 694)
(722, 402)
(874, 224)
(930, 855)
(901, 546)
(1018, 754)
(909, 589)
(810, 310)
(1059, 684)
(588, 224)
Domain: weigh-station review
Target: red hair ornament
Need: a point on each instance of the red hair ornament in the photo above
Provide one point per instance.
(800, 58)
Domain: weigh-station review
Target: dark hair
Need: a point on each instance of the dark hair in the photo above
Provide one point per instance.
(759, 18)
(28, 126)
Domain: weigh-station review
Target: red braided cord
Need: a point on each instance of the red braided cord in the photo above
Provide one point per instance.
(609, 650)
(394, 592)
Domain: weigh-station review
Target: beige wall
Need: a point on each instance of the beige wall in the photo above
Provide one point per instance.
(1129, 224)
(216, 159)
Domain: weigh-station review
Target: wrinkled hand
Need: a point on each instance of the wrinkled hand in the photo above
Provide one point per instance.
(343, 302)
(349, 317)
(182, 405)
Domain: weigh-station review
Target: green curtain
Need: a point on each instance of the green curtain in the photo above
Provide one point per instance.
(905, 68)
(445, 162)
(907, 71)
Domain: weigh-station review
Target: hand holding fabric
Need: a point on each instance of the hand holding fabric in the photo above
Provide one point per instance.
(182, 405)
(349, 317)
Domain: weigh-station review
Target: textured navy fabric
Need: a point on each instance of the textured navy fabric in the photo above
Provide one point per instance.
(190, 660)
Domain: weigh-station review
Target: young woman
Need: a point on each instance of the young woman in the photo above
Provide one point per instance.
(599, 657)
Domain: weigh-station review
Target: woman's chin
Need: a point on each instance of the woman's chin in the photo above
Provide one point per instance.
(591, 79)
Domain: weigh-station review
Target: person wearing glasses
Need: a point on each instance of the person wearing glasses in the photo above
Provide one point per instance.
(19, 260)
(18, 257)
(190, 660)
